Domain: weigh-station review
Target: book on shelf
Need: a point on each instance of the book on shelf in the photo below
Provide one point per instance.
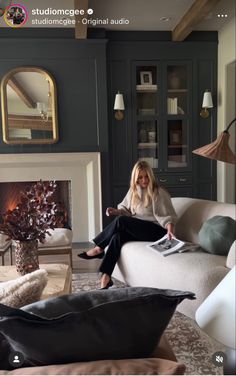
(142, 145)
(167, 247)
(146, 87)
(172, 107)
(147, 111)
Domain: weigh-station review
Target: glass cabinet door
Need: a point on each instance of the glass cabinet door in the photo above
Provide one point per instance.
(162, 114)
(146, 90)
(177, 115)
(177, 149)
(147, 137)
(147, 111)
(177, 90)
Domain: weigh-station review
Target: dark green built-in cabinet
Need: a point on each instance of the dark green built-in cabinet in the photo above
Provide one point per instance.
(163, 84)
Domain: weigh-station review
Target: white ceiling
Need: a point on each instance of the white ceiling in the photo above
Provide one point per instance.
(141, 14)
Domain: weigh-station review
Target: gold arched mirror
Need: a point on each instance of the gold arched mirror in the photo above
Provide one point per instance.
(29, 107)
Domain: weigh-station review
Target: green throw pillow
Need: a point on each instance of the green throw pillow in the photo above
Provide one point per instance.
(217, 235)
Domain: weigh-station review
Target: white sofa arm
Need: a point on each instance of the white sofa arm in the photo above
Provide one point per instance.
(231, 258)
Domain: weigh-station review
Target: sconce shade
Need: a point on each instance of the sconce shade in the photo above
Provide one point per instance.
(119, 102)
(207, 100)
(216, 315)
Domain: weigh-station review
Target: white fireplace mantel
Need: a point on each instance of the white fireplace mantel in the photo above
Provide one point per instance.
(83, 170)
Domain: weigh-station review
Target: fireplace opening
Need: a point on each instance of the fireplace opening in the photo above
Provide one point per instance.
(10, 196)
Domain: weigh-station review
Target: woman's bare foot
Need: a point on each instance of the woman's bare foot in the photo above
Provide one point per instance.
(94, 251)
(105, 280)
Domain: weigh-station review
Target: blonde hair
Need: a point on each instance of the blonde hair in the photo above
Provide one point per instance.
(152, 189)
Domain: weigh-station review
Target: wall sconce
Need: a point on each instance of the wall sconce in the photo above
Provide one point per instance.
(206, 103)
(119, 106)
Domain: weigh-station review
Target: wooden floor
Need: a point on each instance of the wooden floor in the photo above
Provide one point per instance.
(79, 265)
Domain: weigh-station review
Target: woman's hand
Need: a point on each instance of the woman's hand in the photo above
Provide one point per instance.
(112, 211)
(170, 230)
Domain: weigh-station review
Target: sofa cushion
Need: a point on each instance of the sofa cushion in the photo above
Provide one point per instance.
(217, 235)
(58, 237)
(147, 366)
(94, 325)
(23, 290)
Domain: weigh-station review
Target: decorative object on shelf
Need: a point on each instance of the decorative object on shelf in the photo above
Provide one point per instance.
(142, 135)
(152, 136)
(219, 149)
(180, 111)
(146, 78)
(119, 106)
(216, 317)
(175, 137)
(173, 81)
(206, 103)
(30, 221)
(172, 107)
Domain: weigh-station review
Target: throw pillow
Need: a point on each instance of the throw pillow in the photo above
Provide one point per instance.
(94, 325)
(23, 290)
(217, 235)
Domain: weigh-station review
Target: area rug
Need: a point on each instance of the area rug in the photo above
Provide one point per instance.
(190, 345)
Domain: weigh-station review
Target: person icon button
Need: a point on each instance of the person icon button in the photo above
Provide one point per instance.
(16, 359)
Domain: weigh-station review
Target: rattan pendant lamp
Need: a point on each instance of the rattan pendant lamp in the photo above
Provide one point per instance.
(219, 149)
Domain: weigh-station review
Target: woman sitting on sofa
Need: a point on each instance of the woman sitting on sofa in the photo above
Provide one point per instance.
(145, 214)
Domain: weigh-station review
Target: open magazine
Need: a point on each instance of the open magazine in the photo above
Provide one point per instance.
(166, 246)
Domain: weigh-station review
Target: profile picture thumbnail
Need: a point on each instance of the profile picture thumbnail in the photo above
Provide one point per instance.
(15, 15)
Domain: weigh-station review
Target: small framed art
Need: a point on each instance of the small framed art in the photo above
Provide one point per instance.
(146, 78)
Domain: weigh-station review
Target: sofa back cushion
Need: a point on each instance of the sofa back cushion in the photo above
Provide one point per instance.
(94, 325)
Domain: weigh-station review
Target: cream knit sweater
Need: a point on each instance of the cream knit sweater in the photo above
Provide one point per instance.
(160, 210)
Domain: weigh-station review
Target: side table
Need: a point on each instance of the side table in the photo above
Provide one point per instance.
(59, 278)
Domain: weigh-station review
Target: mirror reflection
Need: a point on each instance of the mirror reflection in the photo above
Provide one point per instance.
(29, 107)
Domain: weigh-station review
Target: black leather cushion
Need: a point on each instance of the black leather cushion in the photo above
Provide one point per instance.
(94, 325)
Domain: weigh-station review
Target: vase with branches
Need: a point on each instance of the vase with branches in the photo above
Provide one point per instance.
(28, 223)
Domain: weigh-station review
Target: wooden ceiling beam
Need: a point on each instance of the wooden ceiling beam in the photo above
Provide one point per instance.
(20, 91)
(29, 122)
(80, 28)
(196, 13)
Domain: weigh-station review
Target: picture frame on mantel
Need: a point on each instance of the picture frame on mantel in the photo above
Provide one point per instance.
(146, 78)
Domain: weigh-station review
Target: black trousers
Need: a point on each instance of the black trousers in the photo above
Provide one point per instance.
(121, 230)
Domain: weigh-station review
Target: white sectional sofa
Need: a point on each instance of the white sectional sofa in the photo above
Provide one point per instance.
(195, 271)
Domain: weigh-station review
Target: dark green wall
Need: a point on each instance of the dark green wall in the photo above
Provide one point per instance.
(79, 69)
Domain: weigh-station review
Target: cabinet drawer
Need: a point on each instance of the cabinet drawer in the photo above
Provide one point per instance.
(178, 180)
